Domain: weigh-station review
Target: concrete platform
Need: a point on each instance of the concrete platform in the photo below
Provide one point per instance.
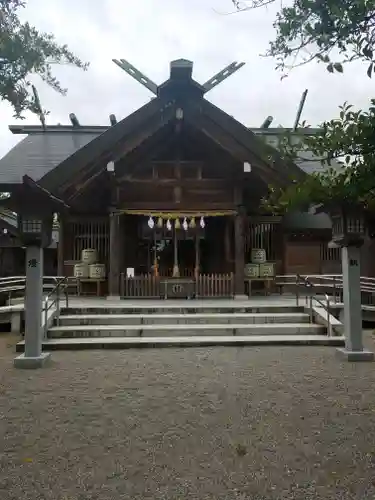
(185, 341)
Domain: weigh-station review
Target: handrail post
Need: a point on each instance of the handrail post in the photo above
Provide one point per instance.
(58, 305)
(45, 317)
(311, 309)
(297, 290)
(334, 289)
(66, 292)
(122, 285)
(329, 328)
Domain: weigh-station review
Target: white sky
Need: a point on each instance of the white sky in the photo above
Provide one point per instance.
(151, 33)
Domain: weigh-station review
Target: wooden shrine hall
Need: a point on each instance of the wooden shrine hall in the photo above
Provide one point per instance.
(165, 202)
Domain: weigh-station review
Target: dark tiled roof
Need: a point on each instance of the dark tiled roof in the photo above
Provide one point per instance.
(39, 153)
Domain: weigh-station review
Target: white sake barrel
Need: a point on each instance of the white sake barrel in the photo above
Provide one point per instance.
(267, 270)
(89, 256)
(97, 271)
(258, 255)
(81, 270)
(252, 270)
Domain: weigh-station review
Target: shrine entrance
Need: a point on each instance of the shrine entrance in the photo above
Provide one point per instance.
(181, 255)
(176, 246)
(186, 255)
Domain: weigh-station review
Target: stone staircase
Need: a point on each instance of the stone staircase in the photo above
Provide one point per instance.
(127, 325)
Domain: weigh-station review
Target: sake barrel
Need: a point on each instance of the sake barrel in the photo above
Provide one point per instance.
(267, 270)
(81, 270)
(258, 255)
(252, 270)
(97, 271)
(89, 256)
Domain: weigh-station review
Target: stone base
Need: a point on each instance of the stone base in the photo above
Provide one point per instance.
(347, 355)
(241, 297)
(29, 363)
(113, 297)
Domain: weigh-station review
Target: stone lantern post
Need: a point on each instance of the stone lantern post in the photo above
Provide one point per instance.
(348, 232)
(35, 207)
(36, 233)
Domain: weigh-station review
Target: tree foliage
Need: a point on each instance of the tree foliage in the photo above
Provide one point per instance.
(25, 51)
(346, 147)
(334, 32)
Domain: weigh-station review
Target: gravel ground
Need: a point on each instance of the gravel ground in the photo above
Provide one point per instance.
(220, 423)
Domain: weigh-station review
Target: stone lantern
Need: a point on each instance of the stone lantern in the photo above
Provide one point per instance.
(348, 227)
(35, 230)
(35, 208)
(349, 230)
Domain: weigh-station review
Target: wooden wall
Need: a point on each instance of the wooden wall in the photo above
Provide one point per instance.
(302, 257)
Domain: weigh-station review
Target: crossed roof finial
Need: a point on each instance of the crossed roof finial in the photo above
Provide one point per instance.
(153, 87)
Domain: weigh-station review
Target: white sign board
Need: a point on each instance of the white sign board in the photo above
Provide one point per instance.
(130, 272)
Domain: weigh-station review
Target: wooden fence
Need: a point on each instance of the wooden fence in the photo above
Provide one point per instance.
(215, 285)
(149, 286)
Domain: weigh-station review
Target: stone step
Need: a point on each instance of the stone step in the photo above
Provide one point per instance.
(165, 330)
(186, 341)
(190, 308)
(181, 319)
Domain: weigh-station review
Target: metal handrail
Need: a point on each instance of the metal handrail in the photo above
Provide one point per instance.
(304, 280)
(333, 282)
(11, 284)
(61, 286)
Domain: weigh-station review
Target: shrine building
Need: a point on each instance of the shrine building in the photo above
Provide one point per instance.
(171, 193)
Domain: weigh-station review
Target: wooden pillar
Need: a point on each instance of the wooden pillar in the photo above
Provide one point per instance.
(239, 254)
(114, 255)
(366, 257)
(60, 250)
(227, 244)
(197, 256)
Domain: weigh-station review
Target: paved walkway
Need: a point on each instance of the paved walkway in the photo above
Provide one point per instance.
(205, 423)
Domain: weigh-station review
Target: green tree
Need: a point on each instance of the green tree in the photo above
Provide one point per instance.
(25, 51)
(346, 147)
(334, 32)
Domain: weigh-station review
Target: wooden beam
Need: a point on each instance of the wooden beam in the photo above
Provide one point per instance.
(122, 148)
(60, 249)
(147, 152)
(260, 150)
(222, 75)
(184, 183)
(79, 188)
(235, 148)
(137, 75)
(97, 151)
(239, 250)
(74, 120)
(166, 206)
(114, 254)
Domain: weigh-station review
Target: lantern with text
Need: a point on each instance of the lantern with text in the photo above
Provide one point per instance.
(348, 227)
(35, 230)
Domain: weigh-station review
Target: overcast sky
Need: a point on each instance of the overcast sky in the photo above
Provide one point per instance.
(151, 33)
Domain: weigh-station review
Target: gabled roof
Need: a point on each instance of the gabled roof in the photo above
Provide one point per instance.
(57, 159)
(39, 153)
(112, 143)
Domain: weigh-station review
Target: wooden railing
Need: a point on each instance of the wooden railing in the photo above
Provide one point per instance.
(149, 286)
(215, 285)
(143, 287)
